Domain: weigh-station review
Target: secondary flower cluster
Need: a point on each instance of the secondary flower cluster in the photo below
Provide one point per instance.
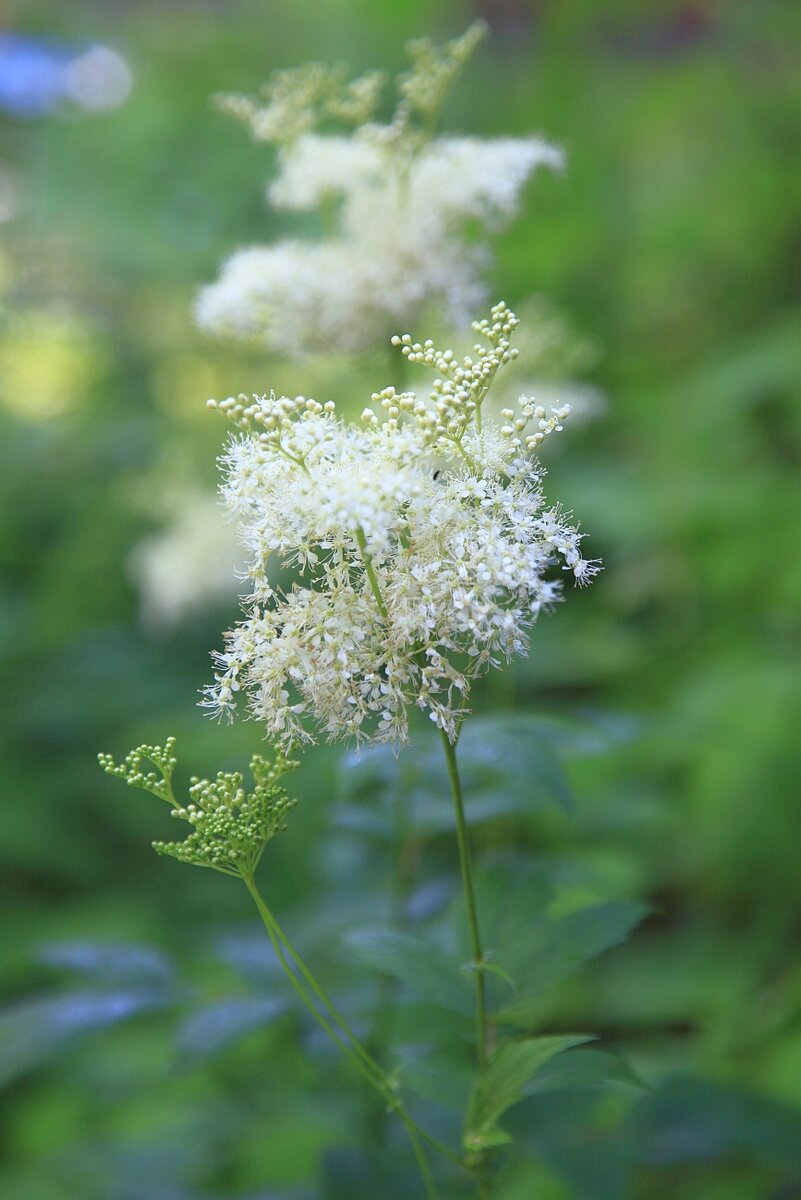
(230, 826)
(423, 544)
(400, 202)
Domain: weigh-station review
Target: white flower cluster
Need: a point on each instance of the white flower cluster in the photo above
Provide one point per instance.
(189, 564)
(401, 201)
(423, 545)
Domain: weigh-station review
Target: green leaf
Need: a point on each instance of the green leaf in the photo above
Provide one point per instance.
(512, 895)
(507, 764)
(443, 1074)
(506, 761)
(424, 966)
(37, 1030)
(693, 1121)
(109, 961)
(586, 1067)
(505, 1081)
(557, 947)
(216, 1026)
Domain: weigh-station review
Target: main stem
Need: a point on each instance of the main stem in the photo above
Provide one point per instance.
(469, 898)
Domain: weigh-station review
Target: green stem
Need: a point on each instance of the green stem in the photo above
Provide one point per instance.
(388, 1088)
(458, 444)
(470, 899)
(269, 925)
(361, 541)
(351, 1047)
(383, 1022)
(317, 989)
(419, 1154)
(298, 462)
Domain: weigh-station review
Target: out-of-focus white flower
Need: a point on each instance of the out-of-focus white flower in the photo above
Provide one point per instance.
(403, 203)
(424, 545)
(188, 565)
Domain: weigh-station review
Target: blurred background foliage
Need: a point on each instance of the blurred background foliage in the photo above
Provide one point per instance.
(146, 1048)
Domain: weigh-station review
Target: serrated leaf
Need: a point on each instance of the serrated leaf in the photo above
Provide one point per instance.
(505, 1081)
(557, 947)
(424, 966)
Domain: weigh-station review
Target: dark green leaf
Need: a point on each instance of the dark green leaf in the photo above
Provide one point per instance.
(556, 947)
(507, 765)
(119, 961)
(587, 1067)
(691, 1121)
(216, 1026)
(505, 1081)
(441, 1074)
(34, 1031)
(424, 966)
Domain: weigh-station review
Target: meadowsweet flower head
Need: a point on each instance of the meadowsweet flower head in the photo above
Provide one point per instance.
(187, 565)
(423, 546)
(230, 825)
(400, 200)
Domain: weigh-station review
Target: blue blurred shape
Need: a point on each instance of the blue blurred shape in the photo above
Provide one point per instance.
(36, 1030)
(31, 75)
(251, 955)
(37, 76)
(221, 1024)
(118, 961)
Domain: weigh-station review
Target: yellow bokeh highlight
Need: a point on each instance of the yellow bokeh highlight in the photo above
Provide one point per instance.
(48, 362)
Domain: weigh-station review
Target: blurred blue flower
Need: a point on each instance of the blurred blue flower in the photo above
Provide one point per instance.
(31, 75)
(38, 75)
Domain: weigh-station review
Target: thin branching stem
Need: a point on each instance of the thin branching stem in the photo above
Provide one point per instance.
(345, 1039)
(361, 542)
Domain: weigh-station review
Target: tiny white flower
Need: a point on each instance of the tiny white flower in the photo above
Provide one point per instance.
(423, 547)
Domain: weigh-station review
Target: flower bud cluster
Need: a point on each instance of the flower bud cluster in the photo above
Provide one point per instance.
(137, 768)
(230, 826)
(293, 101)
(458, 394)
(423, 544)
(424, 86)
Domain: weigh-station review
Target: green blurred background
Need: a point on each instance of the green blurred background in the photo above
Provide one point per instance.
(672, 249)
